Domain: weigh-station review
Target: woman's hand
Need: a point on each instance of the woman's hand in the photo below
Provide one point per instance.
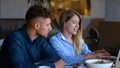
(97, 55)
(103, 51)
(102, 55)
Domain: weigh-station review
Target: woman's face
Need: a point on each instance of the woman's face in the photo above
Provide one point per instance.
(72, 25)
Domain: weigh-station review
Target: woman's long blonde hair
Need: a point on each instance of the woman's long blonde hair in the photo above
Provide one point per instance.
(66, 16)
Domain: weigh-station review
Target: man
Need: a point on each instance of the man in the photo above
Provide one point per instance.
(27, 47)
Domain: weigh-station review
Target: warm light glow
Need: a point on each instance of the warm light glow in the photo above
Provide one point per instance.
(81, 6)
(86, 12)
(52, 3)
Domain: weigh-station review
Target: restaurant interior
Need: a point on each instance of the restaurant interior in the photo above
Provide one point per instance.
(100, 19)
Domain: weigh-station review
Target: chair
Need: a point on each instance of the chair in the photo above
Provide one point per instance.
(93, 39)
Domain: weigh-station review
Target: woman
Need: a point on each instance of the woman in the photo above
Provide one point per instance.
(69, 43)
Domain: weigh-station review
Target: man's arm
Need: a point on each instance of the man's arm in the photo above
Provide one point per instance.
(60, 64)
(52, 56)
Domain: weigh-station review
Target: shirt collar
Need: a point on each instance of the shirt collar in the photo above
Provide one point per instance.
(61, 36)
(25, 34)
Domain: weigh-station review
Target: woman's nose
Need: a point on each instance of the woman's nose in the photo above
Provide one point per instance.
(77, 25)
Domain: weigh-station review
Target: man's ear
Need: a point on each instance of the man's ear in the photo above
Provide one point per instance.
(36, 25)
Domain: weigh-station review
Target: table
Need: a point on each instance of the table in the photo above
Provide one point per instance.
(68, 66)
(118, 64)
(78, 67)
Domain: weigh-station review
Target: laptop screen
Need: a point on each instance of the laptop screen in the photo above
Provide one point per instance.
(117, 58)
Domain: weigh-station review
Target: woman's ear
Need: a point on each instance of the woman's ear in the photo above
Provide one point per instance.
(64, 24)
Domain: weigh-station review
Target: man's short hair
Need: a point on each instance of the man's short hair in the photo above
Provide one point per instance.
(37, 11)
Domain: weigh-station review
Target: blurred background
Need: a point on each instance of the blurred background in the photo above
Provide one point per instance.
(100, 19)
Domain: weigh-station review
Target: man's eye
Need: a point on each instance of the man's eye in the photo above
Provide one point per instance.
(48, 24)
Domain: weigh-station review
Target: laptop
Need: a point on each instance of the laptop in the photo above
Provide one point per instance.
(116, 59)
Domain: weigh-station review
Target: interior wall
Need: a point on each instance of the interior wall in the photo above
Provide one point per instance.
(17, 8)
(109, 34)
(112, 10)
(0, 8)
(97, 9)
(13, 8)
(8, 25)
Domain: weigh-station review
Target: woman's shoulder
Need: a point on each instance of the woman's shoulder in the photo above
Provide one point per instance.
(56, 36)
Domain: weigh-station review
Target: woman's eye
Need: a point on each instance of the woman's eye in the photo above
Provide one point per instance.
(73, 22)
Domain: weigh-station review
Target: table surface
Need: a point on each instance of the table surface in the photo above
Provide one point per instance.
(118, 66)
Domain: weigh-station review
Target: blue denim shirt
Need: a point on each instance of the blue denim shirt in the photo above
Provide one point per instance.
(66, 50)
(19, 51)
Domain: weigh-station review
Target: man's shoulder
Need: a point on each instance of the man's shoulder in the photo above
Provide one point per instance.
(12, 38)
(13, 35)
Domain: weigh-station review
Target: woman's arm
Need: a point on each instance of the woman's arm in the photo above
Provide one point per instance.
(60, 49)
